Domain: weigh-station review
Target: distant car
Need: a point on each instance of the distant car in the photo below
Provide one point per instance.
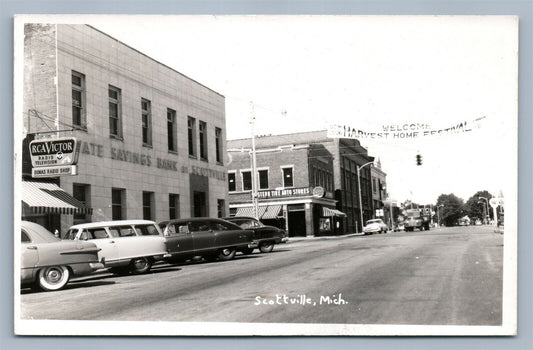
(48, 262)
(398, 227)
(210, 238)
(375, 226)
(128, 246)
(266, 236)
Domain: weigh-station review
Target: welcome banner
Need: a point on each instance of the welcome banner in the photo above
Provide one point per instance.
(401, 131)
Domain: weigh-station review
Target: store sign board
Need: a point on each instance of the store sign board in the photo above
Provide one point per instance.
(295, 192)
(53, 152)
(54, 171)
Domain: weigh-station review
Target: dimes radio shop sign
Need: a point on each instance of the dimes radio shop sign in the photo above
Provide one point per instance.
(54, 157)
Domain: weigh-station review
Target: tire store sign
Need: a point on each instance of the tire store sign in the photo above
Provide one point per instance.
(54, 157)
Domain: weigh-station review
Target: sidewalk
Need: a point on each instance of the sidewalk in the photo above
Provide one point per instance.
(317, 238)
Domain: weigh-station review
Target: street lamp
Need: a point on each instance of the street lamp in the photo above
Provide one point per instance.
(359, 189)
(487, 204)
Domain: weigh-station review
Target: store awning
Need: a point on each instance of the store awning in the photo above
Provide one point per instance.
(48, 198)
(249, 211)
(272, 212)
(332, 212)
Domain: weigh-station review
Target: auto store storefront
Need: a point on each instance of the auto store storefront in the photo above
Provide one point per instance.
(303, 211)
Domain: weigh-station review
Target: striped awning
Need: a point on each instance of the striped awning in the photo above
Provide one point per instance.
(332, 212)
(48, 198)
(272, 212)
(249, 211)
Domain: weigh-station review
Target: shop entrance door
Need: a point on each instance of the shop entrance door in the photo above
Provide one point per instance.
(297, 223)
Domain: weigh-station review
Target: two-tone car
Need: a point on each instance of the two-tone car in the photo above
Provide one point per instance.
(48, 262)
(210, 238)
(375, 226)
(266, 236)
(128, 246)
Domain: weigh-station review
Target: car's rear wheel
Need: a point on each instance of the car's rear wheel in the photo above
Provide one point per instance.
(247, 251)
(266, 247)
(140, 265)
(226, 254)
(53, 278)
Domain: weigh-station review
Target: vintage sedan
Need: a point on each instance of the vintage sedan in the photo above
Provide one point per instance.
(375, 226)
(128, 246)
(209, 238)
(48, 262)
(266, 236)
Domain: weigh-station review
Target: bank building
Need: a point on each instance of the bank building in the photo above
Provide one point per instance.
(150, 141)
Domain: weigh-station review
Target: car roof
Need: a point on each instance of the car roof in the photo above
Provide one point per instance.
(239, 217)
(190, 220)
(37, 232)
(113, 223)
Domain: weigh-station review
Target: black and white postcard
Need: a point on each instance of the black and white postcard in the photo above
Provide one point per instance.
(265, 175)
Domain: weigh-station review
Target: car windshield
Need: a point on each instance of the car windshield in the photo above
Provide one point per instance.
(373, 222)
(147, 230)
(413, 213)
(71, 234)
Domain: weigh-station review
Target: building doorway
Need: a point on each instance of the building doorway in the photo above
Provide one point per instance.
(199, 204)
(297, 223)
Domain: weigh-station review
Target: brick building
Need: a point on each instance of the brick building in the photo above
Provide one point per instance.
(151, 140)
(379, 191)
(289, 168)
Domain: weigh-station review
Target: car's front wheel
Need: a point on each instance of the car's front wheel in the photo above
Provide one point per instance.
(53, 278)
(140, 265)
(226, 254)
(266, 247)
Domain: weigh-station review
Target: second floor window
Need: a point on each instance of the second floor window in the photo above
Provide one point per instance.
(246, 180)
(115, 118)
(287, 177)
(146, 122)
(191, 126)
(263, 179)
(78, 99)
(171, 130)
(202, 127)
(218, 145)
(231, 182)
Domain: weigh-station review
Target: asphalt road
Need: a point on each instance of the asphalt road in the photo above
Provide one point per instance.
(447, 276)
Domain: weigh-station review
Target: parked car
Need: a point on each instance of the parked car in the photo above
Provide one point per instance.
(399, 227)
(128, 246)
(266, 236)
(209, 238)
(375, 226)
(48, 262)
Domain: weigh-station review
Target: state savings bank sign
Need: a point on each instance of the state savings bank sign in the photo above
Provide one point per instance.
(54, 157)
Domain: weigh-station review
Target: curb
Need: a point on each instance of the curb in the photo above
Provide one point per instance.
(319, 238)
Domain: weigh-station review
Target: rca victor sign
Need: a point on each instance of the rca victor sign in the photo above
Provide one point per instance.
(54, 157)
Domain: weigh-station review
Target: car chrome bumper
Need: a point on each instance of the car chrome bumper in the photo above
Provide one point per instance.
(253, 244)
(97, 266)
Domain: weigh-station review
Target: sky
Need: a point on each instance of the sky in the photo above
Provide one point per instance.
(302, 73)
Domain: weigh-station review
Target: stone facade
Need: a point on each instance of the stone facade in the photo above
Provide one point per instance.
(136, 155)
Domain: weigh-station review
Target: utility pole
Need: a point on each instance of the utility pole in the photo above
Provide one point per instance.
(255, 198)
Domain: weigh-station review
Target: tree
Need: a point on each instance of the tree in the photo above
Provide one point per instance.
(476, 208)
(452, 209)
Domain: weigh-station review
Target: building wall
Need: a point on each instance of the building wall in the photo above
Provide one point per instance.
(106, 162)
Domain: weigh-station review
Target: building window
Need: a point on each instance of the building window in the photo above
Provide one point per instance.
(172, 130)
(218, 145)
(202, 127)
(174, 206)
(221, 208)
(82, 192)
(287, 177)
(148, 204)
(263, 179)
(374, 189)
(191, 124)
(231, 182)
(78, 100)
(246, 180)
(115, 111)
(146, 108)
(118, 199)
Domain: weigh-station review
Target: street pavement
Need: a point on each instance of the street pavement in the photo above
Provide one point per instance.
(447, 276)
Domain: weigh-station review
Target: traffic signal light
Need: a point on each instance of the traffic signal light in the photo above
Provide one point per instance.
(418, 159)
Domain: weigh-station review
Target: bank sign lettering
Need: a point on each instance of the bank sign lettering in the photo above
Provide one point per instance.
(53, 152)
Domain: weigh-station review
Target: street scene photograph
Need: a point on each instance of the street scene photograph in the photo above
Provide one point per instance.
(265, 175)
